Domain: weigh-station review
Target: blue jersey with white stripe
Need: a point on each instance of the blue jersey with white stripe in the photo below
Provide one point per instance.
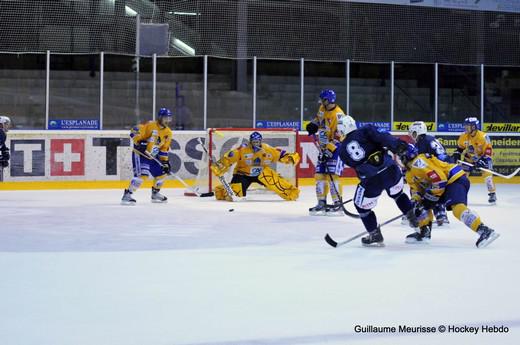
(428, 144)
(360, 145)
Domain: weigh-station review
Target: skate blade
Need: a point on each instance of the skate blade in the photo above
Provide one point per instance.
(335, 214)
(317, 213)
(374, 245)
(159, 201)
(488, 241)
(128, 203)
(492, 203)
(414, 241)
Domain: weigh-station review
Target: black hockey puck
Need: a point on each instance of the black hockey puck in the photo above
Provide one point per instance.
(231, 210)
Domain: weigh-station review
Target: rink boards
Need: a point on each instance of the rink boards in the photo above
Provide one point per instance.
(102, 159)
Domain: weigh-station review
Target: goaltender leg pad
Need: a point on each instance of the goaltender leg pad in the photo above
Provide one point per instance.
(272, 181)
(221, 194)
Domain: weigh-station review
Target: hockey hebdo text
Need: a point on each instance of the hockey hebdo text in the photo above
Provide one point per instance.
(457, 329)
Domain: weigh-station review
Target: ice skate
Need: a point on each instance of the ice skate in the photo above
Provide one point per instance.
(492, 198)
(319, 210)
(158, 197)
(487, 235)
(421, 237)
(374, 239)
(334, 210)
(127, 198)
(441, 218)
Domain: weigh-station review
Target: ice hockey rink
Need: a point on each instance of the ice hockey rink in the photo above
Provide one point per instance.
(78, 268)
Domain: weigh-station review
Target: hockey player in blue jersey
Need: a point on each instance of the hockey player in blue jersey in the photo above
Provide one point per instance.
(5, 123)
(428, 144)
(365, 150)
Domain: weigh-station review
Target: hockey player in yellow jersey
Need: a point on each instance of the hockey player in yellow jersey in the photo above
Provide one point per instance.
(475, 147)
(329, 166)
(253, 164)
(433, 181)
(151, 142)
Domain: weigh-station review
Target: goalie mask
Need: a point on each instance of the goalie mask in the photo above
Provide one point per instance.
(255, 140)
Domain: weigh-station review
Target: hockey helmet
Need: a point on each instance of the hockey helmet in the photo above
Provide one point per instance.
(346, 124)
(165, 116)
(409, 154)
(5, 123)
(471, 124)
(417, 128)
(328, 95)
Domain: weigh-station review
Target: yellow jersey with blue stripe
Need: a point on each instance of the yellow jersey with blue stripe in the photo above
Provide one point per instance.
(327, 122)
(428, 174)
(476, 146)
(154, 137)
(250, 162)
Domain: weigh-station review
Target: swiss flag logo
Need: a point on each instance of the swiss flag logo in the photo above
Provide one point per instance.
(67, 157)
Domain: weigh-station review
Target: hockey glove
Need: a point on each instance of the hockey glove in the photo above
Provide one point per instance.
(456, 157)
(166, 167)
(312, 128)
(218, 169)
(401, 148)
(290, 158)
(484, 162)
(4, 155)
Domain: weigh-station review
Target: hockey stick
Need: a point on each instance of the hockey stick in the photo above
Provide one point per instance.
(350, 214)
(202, 195)
(491, 171)
(343, 203)
(335, 244)
(347, 213)
(222, 180)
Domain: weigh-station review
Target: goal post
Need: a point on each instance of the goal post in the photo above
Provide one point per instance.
(221, 140)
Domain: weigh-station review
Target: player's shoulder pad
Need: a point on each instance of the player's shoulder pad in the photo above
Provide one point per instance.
(419, 163)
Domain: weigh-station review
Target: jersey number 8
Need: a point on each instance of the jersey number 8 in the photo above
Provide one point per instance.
(355, 151)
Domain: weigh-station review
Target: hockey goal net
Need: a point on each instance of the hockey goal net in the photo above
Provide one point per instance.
(220, 140)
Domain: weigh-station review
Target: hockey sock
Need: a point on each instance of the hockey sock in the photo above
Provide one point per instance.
(322, 187)
(403, 202)
(490, 185)
(368, 217)
(467, 216)
(135, 184)
(335, 189)
(158, 182)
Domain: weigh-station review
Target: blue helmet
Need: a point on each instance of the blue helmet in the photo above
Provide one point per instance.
(164, 112)
(472, 123)
(255, 139)
(328, 95)
(409, 154)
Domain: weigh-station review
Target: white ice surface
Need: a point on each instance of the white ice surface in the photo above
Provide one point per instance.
(78, 268)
